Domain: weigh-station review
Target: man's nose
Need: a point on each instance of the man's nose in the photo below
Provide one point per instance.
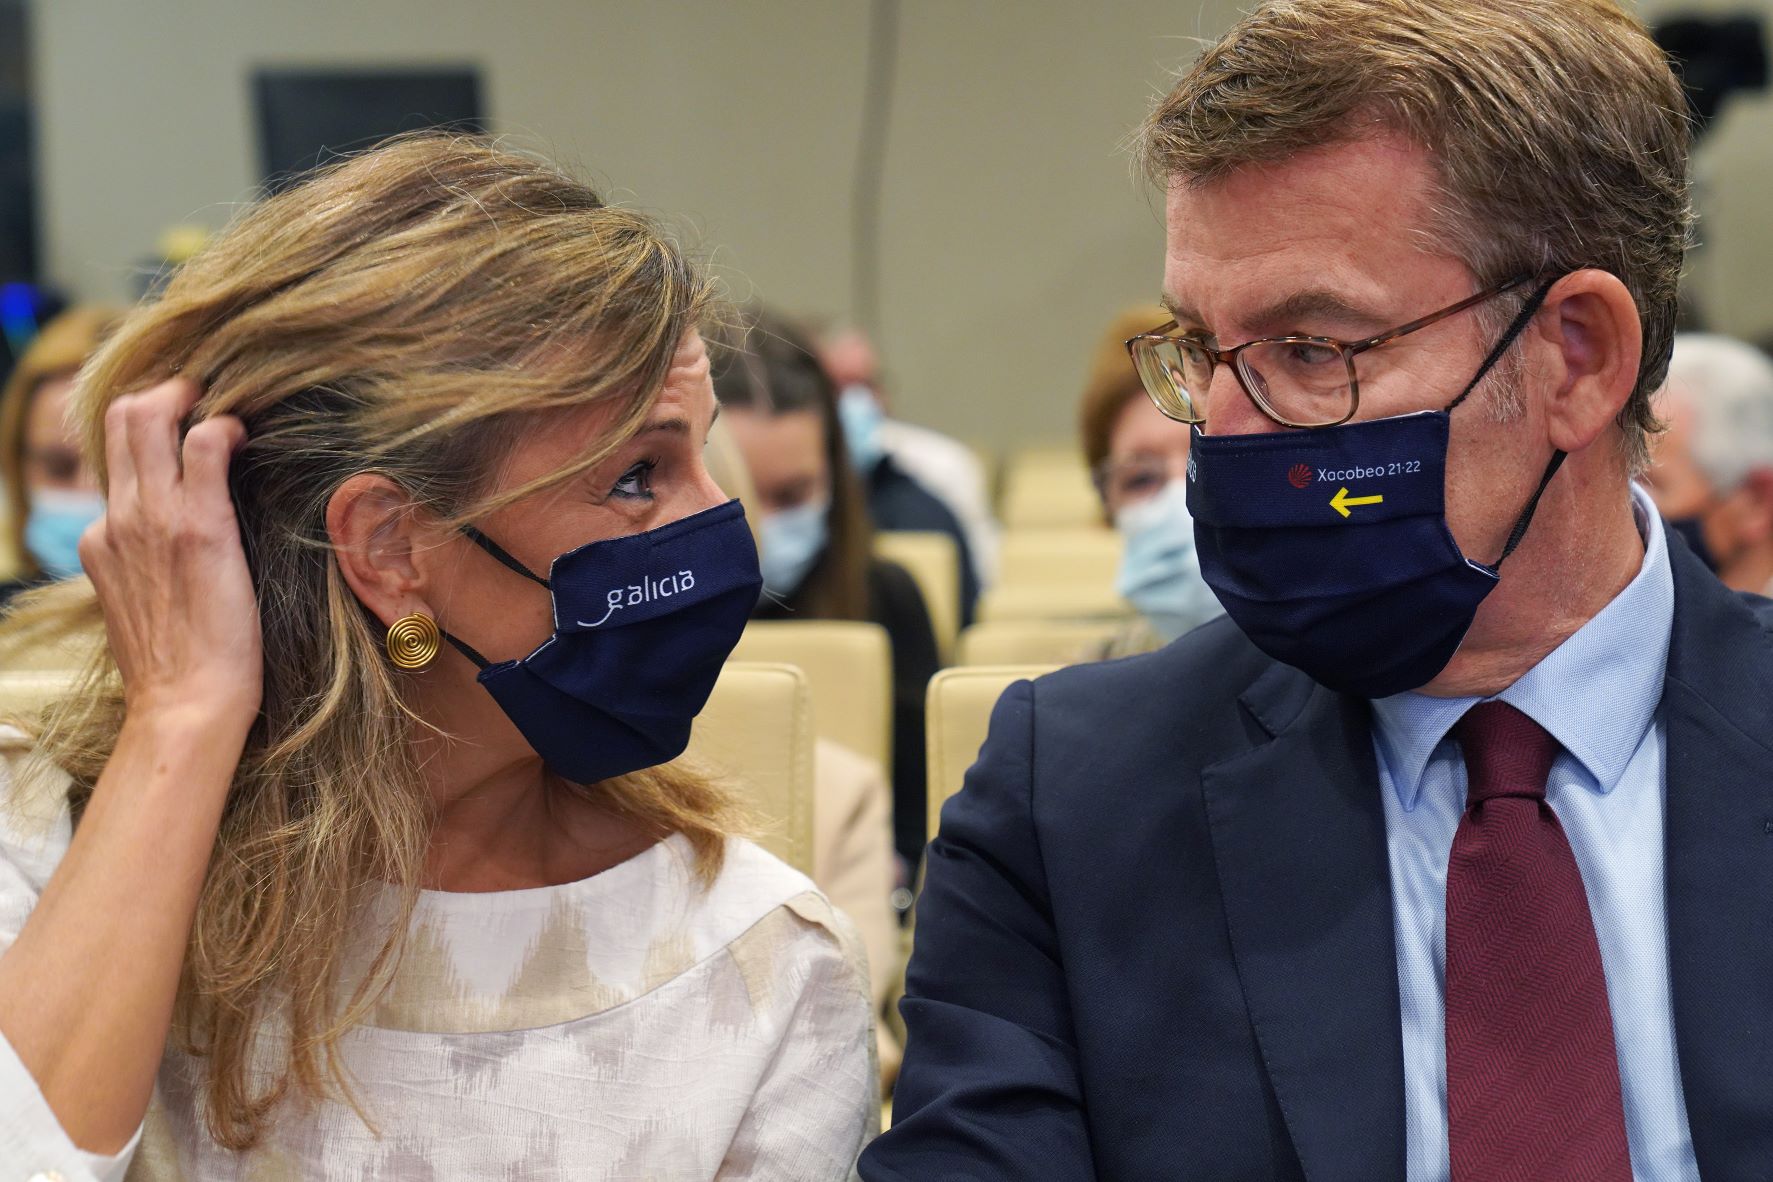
(1229, 408)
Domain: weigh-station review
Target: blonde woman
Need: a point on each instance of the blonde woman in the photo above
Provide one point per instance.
(51, 492)
(353, 856)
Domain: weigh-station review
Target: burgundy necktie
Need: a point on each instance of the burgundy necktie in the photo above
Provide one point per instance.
(1532, 1078)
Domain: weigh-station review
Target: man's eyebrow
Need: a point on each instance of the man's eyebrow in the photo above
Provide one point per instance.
(1313, 304)
(1179, 311)
(1288, 314)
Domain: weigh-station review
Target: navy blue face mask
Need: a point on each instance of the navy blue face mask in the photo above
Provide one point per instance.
(1330, 549)
(642, 625)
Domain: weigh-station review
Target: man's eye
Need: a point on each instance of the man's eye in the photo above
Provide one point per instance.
(637, 482)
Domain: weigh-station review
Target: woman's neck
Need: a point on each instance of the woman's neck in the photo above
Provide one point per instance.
(516, 826)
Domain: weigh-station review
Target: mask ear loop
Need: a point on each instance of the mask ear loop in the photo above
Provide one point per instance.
(462, 648)
(1517, 326)
(498, 552)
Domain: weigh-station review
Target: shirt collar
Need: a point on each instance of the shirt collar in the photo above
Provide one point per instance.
(1596, 692)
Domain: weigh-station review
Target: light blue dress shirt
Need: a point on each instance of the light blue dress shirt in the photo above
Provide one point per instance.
(1597, 693)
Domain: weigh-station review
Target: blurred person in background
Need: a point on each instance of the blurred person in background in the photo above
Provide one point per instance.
(817, 556)
(853, 858)
(293, 879)
(914, 478)
(1712, 476)
(52, 493)
(1138, 460)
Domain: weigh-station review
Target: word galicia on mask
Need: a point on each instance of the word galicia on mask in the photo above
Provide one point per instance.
(642, 625)
(1329, 547)
(645, 592)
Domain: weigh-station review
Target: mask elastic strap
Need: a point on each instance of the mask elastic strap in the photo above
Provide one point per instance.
(498, 552)
(1515, 328)
(1526, 518)
(462, 648)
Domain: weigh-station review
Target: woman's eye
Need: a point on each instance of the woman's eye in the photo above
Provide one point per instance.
(637, 482)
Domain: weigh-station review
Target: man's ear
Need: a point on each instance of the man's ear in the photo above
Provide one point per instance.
(377, 535)
(1590, 331)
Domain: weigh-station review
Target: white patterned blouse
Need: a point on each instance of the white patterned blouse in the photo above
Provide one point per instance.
(627, 1026)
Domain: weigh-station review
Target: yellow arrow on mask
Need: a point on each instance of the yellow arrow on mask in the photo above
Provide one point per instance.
(1342, 502)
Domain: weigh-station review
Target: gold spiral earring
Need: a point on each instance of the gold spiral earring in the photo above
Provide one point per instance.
(412, 642)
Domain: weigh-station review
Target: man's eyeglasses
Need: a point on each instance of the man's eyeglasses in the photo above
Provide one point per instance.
(1298, 381)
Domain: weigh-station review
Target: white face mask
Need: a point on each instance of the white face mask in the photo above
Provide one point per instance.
(52, 530)
(1159, 571)
(791, 541)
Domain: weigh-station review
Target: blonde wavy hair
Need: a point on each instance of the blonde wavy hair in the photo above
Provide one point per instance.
(407, 312)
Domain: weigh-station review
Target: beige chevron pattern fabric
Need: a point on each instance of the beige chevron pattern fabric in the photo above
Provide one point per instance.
(629, 1026)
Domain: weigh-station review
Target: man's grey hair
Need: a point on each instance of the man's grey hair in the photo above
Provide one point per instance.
(1728, 387)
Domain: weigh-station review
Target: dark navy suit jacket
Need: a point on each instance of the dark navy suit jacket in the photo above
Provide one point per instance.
(1155, 941)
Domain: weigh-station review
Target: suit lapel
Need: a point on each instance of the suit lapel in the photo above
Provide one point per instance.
(1719, 834)
(1298, 834)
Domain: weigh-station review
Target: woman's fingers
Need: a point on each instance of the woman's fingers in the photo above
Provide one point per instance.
(153, 419)
(209, 448)
(119, 463)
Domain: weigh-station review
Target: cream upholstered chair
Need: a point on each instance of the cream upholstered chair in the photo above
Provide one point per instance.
(959, 714)
(1048, 488)
(933, 560)
(757, 729)
(1034, 642)
(1053, 601)
(1089, 555)
(849, 667)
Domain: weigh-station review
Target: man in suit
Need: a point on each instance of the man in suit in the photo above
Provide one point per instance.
(1449, 853)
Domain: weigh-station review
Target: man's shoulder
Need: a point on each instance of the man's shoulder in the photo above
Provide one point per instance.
(1205, 670)
(1760, 607)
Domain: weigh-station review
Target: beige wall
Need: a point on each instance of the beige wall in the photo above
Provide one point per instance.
(1012, 224)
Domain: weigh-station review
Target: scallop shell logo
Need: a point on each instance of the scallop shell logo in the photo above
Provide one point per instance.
(412, 642)
(1299, 475)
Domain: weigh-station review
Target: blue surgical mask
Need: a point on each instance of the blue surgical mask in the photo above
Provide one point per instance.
(860, 413)
(792, 541)
(52, 529)
(1330, 549)
(641, 626)
(1159, 570)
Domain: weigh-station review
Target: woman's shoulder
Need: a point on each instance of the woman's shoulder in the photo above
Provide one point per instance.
(763, 901)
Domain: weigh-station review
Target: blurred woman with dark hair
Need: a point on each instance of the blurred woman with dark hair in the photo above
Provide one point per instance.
(817, 555)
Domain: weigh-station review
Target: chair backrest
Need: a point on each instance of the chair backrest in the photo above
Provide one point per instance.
(849, 667)
(933, 560)
(1048, 488)
(1052, 601)
(1045, 556)
(756, 728)
(959, 713)
(1034, 642)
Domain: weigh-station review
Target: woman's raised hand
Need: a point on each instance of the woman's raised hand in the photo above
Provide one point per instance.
(168, 565)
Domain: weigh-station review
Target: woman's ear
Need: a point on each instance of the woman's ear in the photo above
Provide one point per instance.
(375, 533)
(1591, 322)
